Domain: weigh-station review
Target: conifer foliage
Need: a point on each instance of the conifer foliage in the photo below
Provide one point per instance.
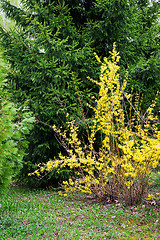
(45, 51)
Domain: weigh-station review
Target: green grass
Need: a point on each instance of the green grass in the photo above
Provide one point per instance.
(26, 214)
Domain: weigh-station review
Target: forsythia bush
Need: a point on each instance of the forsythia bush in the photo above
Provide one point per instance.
(130, 144)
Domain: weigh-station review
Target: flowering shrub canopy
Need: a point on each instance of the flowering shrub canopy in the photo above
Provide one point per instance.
(130, 149)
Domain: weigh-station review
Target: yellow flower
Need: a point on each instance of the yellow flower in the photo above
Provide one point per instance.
(54, 128)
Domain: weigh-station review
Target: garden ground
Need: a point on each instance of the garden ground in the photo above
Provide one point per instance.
(43, 214)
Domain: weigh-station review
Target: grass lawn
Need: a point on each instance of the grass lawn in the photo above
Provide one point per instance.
(26, 214)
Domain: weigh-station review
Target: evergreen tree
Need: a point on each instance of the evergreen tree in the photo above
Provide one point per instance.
(144, 72)
(48, 58)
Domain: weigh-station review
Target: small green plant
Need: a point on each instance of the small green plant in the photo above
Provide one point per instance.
(14, 125)
(129, 151)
